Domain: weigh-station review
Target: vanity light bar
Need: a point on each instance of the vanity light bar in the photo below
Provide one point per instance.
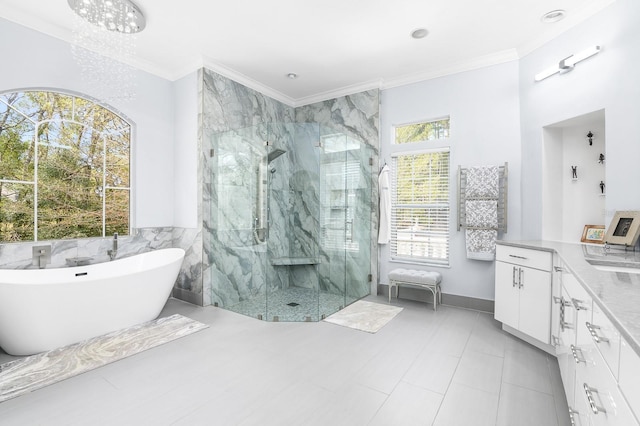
(567, 63)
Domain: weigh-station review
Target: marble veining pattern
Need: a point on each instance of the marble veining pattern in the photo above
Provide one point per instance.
(236, 122)
(365, 316)
(37, 371)
(19, 255)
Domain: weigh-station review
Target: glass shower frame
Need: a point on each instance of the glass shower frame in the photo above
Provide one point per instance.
(293, 234)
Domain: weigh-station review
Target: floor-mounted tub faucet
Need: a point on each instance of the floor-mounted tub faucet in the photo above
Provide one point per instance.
(114, 247)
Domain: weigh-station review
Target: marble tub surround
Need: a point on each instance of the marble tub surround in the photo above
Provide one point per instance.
(33, 372)
(19, 255)
(365, 316)
(617, 294)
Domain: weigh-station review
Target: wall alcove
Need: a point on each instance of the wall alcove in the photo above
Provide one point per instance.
(570, 202)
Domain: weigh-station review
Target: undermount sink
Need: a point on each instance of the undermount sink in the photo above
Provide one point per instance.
(614, 268)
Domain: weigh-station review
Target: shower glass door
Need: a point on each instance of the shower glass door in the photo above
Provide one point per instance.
(237, 238)
(358, 219)
(345, 220)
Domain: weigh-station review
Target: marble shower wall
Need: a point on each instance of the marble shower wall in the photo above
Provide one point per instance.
(235, 117)
(229, 259)
(358, 117)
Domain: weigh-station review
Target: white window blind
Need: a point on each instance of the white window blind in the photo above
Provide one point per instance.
(420, 207)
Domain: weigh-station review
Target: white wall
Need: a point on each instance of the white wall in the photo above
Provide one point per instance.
(606, 81)
(485, 130)
(33, 60)
(185, 151)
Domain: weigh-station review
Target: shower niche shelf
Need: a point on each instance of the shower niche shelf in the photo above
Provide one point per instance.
(290, 261)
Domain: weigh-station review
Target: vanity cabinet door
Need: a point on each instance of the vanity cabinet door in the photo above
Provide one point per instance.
(535, 303)
(507, 297)
(566, 348)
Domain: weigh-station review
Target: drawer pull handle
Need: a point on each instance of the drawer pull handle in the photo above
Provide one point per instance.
(594, 334)
(520, 277)
(517, 257)
(592, 402)
(576, 304)
(574, 352)
(561, 300)
(571, 413)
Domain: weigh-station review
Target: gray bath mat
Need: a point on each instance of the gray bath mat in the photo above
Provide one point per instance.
(37, 371)
(365, 316)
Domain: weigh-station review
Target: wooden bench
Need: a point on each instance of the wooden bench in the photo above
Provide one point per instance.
(422, 279)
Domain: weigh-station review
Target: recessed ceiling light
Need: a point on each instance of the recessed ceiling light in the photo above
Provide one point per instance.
(292, 75)
(419, 33)
(553, 16)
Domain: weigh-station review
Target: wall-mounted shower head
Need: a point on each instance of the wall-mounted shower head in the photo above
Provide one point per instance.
(275, 154)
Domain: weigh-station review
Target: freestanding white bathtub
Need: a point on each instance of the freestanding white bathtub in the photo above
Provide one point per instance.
(44, 309)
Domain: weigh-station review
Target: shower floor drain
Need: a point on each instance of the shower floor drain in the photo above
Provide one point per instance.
(293, 304)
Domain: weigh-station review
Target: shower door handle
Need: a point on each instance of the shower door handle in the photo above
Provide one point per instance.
(350, 235)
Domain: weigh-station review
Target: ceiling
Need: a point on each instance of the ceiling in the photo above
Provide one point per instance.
(335, 46)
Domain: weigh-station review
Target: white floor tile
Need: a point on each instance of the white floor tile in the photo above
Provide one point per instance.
(463, 405)
(408, 405)
(422, 365)
(524, 407)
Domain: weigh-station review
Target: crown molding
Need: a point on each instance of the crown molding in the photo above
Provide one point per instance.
(247, 81)
(476, 63)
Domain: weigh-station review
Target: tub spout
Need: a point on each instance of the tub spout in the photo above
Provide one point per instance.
(114, 247)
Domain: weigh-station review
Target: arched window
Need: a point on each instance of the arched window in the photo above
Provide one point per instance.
(64, 167)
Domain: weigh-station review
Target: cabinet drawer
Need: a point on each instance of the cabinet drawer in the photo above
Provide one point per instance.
(629, 373)
(526, 257)
(599, 391)
(607, 339)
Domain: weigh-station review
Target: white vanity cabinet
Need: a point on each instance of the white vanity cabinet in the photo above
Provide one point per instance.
(539, 299)
(523, 291)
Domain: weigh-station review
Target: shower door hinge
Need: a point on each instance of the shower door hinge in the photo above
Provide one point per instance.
(319, 144)
(267, 143)
(212, 152)
(371, 161)
(369, 278)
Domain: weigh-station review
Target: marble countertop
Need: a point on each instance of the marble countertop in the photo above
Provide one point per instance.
(616, 293)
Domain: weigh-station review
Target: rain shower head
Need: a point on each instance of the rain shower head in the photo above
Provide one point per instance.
(275, 154)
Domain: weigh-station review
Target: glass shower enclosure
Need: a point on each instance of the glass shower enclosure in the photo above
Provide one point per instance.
(291, 221)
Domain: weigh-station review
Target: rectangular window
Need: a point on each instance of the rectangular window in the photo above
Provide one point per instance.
(421, 132)
(420, 206)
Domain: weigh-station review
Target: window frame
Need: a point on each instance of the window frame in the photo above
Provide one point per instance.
(417, 148)
(104, 135)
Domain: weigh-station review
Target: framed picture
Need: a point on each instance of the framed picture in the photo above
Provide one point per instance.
(624, 228)
(593, 234)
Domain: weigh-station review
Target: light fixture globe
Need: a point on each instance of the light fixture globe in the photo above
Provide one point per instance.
(121, 16)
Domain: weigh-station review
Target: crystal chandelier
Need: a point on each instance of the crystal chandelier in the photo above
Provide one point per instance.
(104, 42)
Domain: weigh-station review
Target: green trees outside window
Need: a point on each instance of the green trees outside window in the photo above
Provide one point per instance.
(64, 168)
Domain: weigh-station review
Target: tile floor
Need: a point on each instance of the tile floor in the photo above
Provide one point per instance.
(450, 367)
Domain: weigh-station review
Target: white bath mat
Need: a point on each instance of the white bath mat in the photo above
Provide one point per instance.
(37, 371)
(365, 316)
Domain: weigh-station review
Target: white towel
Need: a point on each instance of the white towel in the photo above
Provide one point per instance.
(384, 230)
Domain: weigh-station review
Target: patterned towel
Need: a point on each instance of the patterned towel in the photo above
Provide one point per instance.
(481, 244)
(481, 213)
(483, 181)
